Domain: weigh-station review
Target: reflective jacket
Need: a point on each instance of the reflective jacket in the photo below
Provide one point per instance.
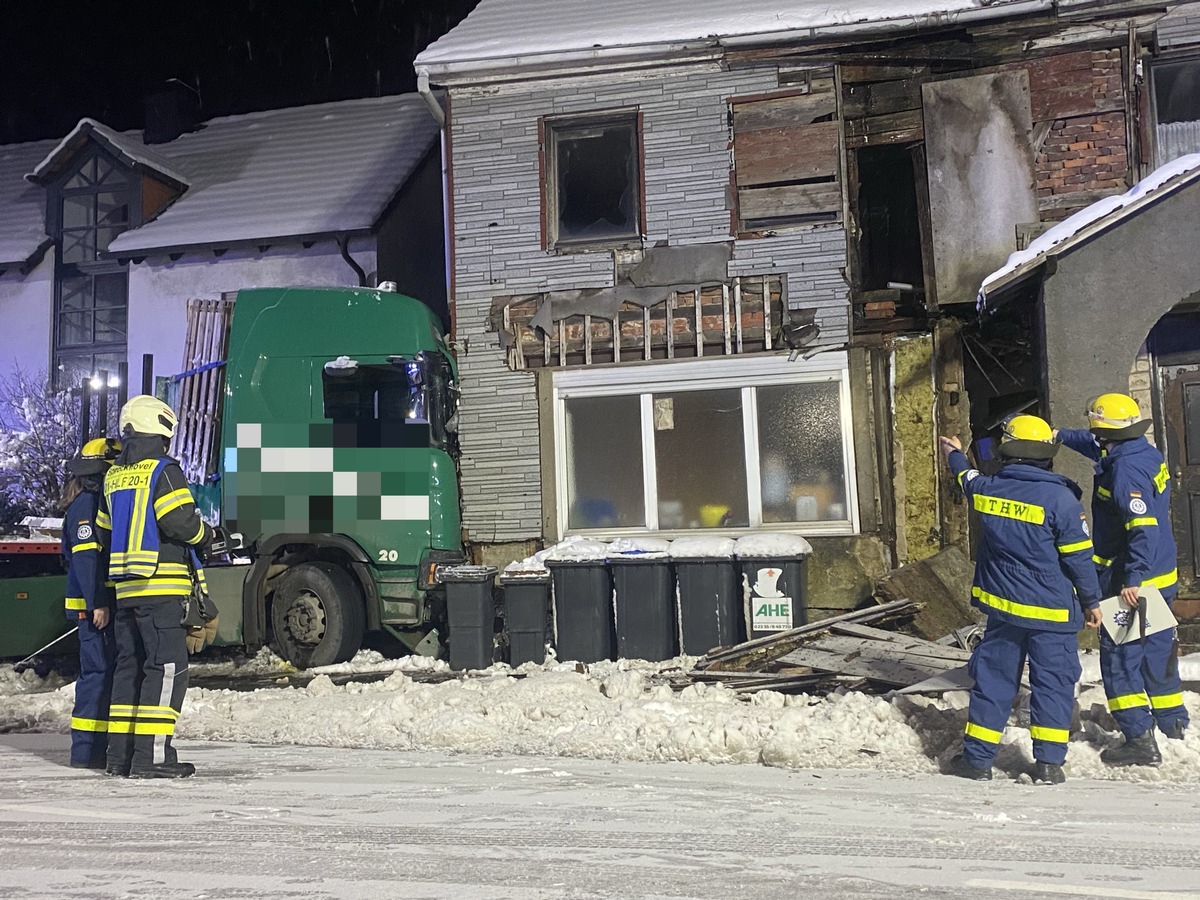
(87, 567)
(1131, 513)
(1034, 561)
(153, 523)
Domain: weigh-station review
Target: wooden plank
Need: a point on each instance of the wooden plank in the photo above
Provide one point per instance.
(943, 582)
(905, 126)
(786, 154)
(881, 72)
(1076, 199)
(789, 201)
(782, 112)
(865, 648)
(888, 671)
(906, 642)
(863, 100)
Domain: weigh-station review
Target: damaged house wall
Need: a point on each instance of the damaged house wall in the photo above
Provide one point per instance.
(918, 528)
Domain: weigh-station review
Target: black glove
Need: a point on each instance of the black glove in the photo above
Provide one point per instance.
(218, 544)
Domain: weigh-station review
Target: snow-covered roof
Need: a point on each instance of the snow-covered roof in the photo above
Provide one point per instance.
(128, 148)
(23, 220)
(527, 33)
(265, 176)
(1089, 222)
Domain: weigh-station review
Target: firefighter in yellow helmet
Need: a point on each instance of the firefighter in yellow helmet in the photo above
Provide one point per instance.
(1035, 582)
(89, 601)
(154, 533)
(1135, 547)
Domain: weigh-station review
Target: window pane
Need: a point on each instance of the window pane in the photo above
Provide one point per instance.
(76, 294)
(800, 453)
(110, 325)
(77, 211)
(597, 182)
(699, 449)
(79, 246)
(111, 209)
(110, 290)
(75, 328)
(604, 463)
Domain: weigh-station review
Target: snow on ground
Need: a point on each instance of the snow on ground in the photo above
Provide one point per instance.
(610, 711)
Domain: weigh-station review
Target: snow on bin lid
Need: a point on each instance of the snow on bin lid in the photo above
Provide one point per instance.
(702, 548)
(642, 548)
(529, 567)
(771, 545)
(574, 547)
(465, 573)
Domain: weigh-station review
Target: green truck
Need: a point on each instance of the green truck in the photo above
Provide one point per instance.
(337, 469)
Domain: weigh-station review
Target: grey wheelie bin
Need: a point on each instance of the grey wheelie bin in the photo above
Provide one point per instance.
(526, 614)
(645, 599)
(710, 605)
(774, 570)
(583, 606)
(471, 610)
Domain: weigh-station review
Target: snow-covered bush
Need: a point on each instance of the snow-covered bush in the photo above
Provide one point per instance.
(39, 430)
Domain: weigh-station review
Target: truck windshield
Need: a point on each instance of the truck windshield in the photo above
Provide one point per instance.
(406, 402)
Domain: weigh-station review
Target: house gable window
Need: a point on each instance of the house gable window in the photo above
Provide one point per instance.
(696, 445)
(89, 206)
(592, 180)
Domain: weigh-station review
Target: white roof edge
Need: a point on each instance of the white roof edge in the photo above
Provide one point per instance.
(516, 66)
(1089, 222)
(116, 141)
(626, 53)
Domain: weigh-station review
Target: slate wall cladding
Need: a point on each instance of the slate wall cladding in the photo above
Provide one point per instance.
(1180, 28)
(497, 235)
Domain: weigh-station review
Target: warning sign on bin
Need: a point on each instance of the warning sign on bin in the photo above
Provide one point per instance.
(770, 610)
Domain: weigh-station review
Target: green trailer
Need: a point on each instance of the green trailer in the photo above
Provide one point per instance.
(33, 586)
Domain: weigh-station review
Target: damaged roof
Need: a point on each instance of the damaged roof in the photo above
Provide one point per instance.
(302, 172)
(521, 34)
(1088, 223)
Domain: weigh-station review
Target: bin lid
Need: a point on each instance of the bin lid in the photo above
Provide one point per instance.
(459, 574)
(772, 545)
(638, 549)
(576, 549)
(702, 548)
(523, 576)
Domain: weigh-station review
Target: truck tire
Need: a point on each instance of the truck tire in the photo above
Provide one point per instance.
(317, 615)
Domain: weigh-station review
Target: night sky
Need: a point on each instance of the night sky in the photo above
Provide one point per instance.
(61, 60)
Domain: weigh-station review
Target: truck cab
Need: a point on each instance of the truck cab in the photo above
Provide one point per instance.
(338, 468)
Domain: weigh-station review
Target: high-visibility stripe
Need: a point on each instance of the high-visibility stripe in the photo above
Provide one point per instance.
(125, 711)
(1163, 581)
(172, 569)
(76, 603)
(168, 502)
(1161, 479)
(1024, 610)
(1074, 548)
(1101, 561)
(87, 545)
(1127, 701)
(199, 535)
(1104, 492)
(103, 520)
(962, 476)
(1057, 735)
(166, 587)
(983, 734)
(120, 727)
(1166, 701)
(167, 728)
(1010, 509)
(1141, 522)
(88, 724)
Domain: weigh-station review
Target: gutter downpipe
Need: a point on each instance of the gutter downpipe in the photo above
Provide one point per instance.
(439, 115)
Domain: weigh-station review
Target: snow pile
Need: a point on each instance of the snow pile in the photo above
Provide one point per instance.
(614, 710)
(646, 548)
(576, 549)
(772, 545)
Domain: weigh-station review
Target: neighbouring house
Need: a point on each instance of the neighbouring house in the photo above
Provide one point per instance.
(714, 265)
(105, 237)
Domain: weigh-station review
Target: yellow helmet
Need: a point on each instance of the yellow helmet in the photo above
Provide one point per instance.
(148, 415)
(1027, 437)
(1116, 417)
(95, 456)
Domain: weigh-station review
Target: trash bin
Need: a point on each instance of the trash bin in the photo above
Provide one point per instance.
(582, 600)
(706, 581)
(774, 582)
(526, 611)
(471, 610)
(645, 601)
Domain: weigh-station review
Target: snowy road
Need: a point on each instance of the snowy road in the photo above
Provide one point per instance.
(279, 822)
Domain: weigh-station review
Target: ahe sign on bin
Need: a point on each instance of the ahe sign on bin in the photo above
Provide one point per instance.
(774, 582)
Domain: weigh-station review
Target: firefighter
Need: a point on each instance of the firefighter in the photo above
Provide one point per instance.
(1035, 582)
(89, 601)
(1131, 501)
(154, 532)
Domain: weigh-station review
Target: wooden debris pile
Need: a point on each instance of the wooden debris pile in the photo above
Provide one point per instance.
(860, 650)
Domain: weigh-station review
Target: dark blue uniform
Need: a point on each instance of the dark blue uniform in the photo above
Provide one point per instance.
(87, 571)
(1131, 515)
(1033, 579)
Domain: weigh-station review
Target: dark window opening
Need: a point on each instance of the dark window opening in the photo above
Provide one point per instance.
(1177, 91)
(595, 180)
(889, 249)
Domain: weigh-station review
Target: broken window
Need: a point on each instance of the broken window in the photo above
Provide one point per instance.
(785, 156)
(1177, 109)
(593, 180)
(704, 445)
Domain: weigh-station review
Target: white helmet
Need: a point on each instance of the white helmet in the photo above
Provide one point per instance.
(148, 415)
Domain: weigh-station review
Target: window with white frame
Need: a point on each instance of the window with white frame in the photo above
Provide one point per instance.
(739, 444)
(592, 192)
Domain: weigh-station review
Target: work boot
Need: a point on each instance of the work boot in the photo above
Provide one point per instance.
(1175, 730)
(88, 764)
(963, 769)
(1139, 751)
(120, 770)
(163, 770)
(1048, 773)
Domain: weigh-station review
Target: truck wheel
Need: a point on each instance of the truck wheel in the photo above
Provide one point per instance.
(317, 615)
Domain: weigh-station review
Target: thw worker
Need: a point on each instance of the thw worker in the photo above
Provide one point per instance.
(1035, 581)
